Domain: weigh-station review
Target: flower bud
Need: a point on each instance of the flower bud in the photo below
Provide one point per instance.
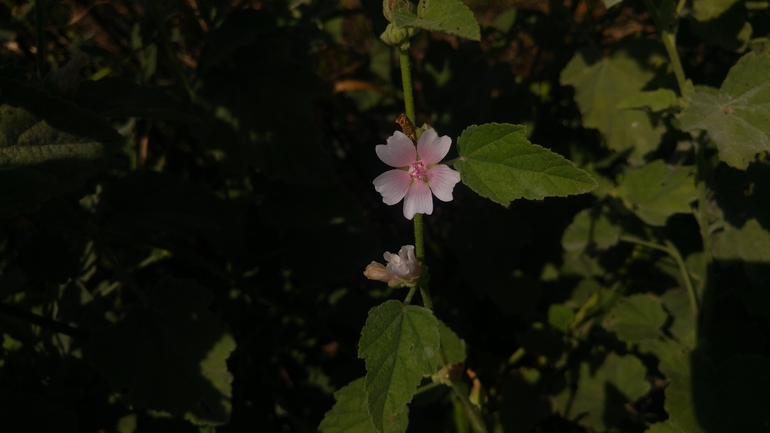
(397, 36)
(388, 6)
(401, 271)
(376, 271)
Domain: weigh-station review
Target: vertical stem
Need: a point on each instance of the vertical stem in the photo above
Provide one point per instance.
(701, 215)
(419, 246)
(406, 79)
(669, 41)
(476, 421)
(40, 39)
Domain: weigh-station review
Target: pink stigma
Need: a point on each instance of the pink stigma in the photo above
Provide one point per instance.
(418, 170)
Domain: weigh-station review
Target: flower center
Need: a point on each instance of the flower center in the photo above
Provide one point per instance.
(418, 171)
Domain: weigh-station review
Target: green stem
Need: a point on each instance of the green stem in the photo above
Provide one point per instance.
(672, 251)
(685, 275)
(409, 295)
(476, 422)
(427, 387)
(517, 355)
(701, 216)
(419, 246)
(669, 41)
(406, 79)
(40, 40)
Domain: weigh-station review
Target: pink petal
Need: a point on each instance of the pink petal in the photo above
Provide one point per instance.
(418, 200)
(442, 181)
(399, 152)
(393, 185)
(432, 148)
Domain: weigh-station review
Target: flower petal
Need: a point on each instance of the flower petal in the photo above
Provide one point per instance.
(432, 148)
(399, 152)
(393, 185)
(442, 181)
(418, 200)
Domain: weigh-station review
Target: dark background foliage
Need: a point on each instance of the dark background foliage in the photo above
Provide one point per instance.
(238, 200)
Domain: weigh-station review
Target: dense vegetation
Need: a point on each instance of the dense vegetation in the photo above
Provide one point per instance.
(187, 209)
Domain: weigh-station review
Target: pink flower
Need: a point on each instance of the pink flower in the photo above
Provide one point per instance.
(402, 269)
(418, 172)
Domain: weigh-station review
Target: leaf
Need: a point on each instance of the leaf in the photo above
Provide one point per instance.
(705, 10)
(656, 100)
(448, 16)
(591, 228)
(735, 116)
(683, 326)
(610, 3)
(400, 345)
(115, 97)
(601, 83)
(664, 427)
(636, 318)
(748, 243)
(48, 147)
(452, 346)
(657, 191)
(560, 317)
(702, 397)
(499, 163)
(170, 355)
(350, 413)
(601, 393)
(731, 30)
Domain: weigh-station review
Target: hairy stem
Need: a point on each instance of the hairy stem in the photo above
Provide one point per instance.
(476, 422)
(406, 79)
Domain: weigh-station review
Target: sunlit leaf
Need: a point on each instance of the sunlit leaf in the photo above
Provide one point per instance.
(657, 191)
(735, 116)
(351, 415)
(499, 163)
(448, 16)
(169, 355)
(705, 10)
(591, 228)
(48, 147)
(601, 83)
(400, 344)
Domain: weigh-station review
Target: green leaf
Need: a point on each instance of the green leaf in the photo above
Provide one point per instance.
(735, 116)
(452, 346)
(748, 243)
(499, 163)
(48, 147)
(350, 413)
(560, 317)
(683, 326)
(601, 83)
(400, 344)
(591, 228)
(115, 97)
(705, 10)
(656, 100)
(602, 391)
(636, 318)
(170, 355)
(665, 427)
(448, 16)
(657, 191)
